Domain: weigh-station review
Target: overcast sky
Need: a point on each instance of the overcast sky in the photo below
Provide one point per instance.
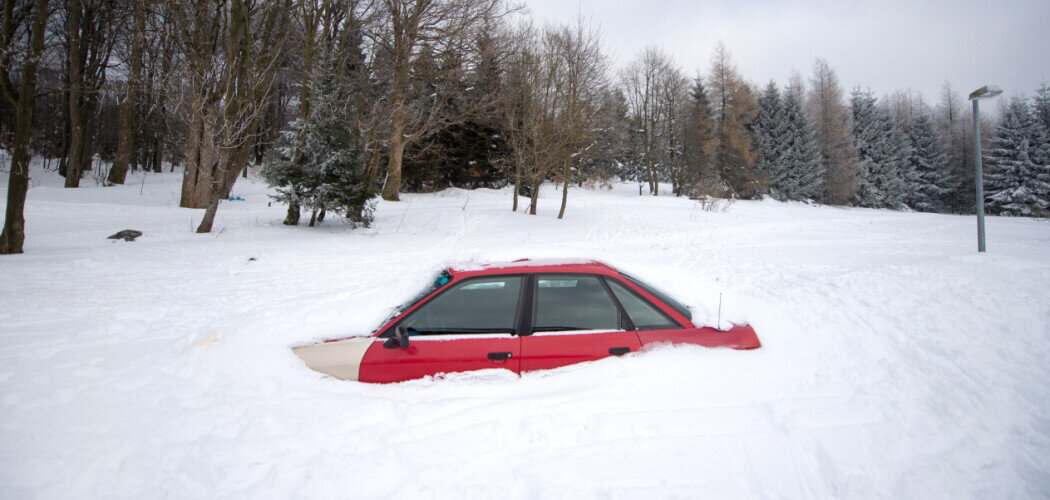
(885, 45)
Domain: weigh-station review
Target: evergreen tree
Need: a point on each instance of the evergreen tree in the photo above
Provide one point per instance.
(1017, 180)
(884, 176)
(929, 161)
(699, 136)
(800, 174)
(770, 133)
(1041, 105)
(331, 174)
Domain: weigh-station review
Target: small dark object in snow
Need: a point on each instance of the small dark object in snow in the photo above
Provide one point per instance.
(127, 234)
(252, 259)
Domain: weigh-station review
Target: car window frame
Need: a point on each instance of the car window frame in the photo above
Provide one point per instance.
(454, 283)
(623, 320)
(676, 324)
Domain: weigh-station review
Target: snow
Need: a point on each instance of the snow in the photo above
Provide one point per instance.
(896, 361)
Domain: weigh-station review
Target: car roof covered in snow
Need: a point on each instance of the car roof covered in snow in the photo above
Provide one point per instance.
(532, 266)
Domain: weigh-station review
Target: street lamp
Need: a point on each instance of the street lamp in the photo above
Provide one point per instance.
(986, 92)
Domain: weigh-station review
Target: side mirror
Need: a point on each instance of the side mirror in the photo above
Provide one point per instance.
(398, 339)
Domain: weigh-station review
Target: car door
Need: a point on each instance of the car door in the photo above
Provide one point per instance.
(471, 325)
(574, 319)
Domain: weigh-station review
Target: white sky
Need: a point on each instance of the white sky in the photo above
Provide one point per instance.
(885, 45)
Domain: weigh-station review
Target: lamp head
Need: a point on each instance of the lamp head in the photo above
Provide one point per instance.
(986, 92)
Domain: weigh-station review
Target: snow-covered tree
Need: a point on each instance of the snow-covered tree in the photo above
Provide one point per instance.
(800, 174)
(1017, 178)
(884, 176)
(1041, 105)
(787, 155)
(770, 131)
(929, 162)
(330, 173)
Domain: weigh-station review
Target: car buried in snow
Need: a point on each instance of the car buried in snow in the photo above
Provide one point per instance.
(520, 316)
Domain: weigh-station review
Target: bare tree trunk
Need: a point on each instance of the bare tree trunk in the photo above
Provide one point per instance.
(193, 157)
(392, 185)
(158, 157)
(535, 194)
(209, 215)
(517, 185)
(565, 187)
(126, 132)
(75, 166)
(13, 235)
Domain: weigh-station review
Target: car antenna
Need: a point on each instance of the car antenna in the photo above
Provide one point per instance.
(719, 324)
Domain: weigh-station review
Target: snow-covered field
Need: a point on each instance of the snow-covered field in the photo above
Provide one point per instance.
(897, 362)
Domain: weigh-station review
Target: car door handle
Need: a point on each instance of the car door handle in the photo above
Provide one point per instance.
(619, 351)
(500, 355)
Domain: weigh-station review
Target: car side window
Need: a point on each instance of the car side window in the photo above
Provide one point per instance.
(644, 315)
(571, 302)
(479, 305)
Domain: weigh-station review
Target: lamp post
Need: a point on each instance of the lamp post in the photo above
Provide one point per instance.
(986, 92)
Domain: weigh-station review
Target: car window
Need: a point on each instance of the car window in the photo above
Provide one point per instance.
(479, 305)
(644, 315)
(666, 299)
(573, 303)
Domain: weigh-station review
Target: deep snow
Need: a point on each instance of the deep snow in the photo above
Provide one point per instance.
(897, 362)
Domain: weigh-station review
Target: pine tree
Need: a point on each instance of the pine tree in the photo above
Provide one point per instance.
(331, 174)
(884, 176)
(770, 132)
(800, 174)
(1041, 105)
(699, 137)
(1017, 180)
(929, 161)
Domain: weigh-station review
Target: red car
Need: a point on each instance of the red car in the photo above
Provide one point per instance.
(519, 316)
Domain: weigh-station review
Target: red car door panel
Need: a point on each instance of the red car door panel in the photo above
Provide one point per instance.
(544, 350)
(433, 354)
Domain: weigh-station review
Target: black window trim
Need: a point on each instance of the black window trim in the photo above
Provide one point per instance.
(525, 280)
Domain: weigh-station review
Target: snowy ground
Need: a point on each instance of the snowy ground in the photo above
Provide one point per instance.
(897, 362)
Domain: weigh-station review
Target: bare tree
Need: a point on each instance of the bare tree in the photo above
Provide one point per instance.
(413, 34)
(531, 95)
(22, 33)
(734, 106)
(827, 112)
(583, 70)
(126, 133)
(232, 51)
(91, 33)
(641, 80)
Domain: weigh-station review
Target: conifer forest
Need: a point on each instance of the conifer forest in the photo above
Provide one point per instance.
(338, 102)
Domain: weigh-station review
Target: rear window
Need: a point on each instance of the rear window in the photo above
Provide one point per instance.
(666, 299)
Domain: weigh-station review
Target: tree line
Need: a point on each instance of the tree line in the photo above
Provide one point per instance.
(340, 101)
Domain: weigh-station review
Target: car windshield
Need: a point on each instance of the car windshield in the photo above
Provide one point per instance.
(666, 299)
(438, 281)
